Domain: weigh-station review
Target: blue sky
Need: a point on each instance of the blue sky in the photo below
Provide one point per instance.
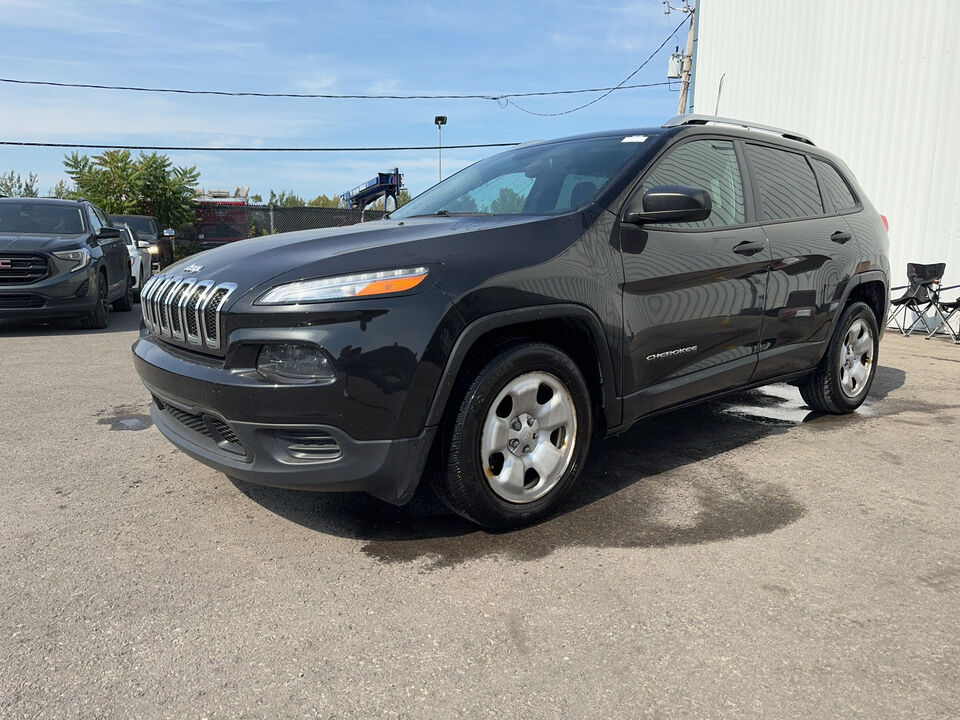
(328, 47)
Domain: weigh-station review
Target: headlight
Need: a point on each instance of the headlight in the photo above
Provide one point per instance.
(345, 286)
(296, 362)
(80, 258)
(153, 250)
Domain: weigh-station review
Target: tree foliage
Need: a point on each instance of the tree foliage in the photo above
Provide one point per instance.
(285, 199)
(13, 185)
(507, 202)
(145, 185)
(324, 201)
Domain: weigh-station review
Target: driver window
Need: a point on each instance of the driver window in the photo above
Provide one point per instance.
(709, 165)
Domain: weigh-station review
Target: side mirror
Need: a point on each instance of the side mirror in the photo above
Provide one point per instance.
(169, 232)
(107, 233)
(669, 203)
(143, 244)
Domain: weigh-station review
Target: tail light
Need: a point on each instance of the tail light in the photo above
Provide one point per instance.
(886, 224)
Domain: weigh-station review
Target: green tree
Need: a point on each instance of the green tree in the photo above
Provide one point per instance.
(256, 199)
(12, 185)
(334, 201)
(146, 185)
(403, 197)
(508, 202)
(463, 204)
(61, 190)
(285, 199)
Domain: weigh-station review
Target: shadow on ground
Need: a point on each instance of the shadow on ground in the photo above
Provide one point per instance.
(636, 490)
(118, 322)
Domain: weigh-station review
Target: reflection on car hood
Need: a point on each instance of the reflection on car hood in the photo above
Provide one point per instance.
(39, 243)
(250, 262)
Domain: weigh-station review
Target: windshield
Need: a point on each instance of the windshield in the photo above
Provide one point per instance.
(40, 219)
(538, 180)
(143, 226)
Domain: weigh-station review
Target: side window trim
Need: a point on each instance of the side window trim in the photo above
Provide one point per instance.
(857, 203)
(756, 187)
(748, 209)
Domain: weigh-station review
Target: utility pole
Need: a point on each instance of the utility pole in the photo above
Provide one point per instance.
(687, 56)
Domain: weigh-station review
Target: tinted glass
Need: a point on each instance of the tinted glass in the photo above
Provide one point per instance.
(140, 225)
(535, 180)
(40, 218)
(787, 185)
(835, 187)
(94, 220)
(709, 165)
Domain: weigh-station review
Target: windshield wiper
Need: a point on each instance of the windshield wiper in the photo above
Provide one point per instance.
(442, 213)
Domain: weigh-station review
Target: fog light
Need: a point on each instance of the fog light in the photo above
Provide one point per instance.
(295, 362)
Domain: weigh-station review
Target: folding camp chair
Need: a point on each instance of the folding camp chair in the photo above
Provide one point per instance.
(919, 297)
(945, 311)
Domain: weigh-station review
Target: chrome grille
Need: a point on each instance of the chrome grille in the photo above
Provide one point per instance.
(185, 310)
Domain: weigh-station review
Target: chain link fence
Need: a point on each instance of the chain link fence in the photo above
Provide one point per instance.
(219, 223)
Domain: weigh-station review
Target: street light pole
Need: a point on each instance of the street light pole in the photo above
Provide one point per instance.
(440, 121)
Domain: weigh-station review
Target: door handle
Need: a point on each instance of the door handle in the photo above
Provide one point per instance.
(749, 248)
(841, 237)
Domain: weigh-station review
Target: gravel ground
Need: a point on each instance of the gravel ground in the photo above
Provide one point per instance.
(738, 559)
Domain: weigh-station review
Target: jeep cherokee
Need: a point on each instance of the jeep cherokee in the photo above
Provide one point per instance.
(497, 322)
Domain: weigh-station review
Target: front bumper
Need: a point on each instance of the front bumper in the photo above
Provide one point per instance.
(252, 431)
(59, 296)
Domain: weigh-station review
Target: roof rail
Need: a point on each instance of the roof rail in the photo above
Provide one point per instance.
(705, 119)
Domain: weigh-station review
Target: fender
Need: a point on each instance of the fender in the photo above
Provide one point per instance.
(858, 279)
(506, 318)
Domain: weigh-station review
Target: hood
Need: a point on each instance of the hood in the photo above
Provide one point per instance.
(40, 243)
(374, 245)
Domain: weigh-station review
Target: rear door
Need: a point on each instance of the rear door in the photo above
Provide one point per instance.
(114, 254)
(814, 255)
(694, 293)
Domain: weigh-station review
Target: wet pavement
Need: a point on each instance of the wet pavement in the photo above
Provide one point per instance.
(741, 558)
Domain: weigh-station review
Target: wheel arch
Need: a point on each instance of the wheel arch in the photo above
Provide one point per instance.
(572, 328)
(872, 288)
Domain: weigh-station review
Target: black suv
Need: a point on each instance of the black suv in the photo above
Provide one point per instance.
(61, 258)
(498, 321)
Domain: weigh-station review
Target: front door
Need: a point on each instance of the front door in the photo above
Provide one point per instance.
(694, 293)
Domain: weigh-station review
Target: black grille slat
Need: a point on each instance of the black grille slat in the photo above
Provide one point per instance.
(22, 269)
(191, 313)
(211, 314)
(222, 434)
(21, 301)
(174, 309)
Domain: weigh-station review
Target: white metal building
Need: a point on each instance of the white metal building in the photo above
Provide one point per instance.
(875, 81)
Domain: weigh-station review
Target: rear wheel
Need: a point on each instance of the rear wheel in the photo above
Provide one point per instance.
(520, 437)
(97, 319)
(843, 378)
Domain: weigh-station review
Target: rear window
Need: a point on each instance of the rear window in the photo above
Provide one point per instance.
(40, 219)
(835, 187)
(788, 188)
(140, 225)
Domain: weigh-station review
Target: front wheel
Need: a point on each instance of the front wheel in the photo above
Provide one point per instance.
(520, 437)
(97, 319)
(843, 378)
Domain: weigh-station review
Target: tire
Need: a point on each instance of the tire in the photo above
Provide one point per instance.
(124, 303)
(843, 378)
(519, 436)
(97, 319)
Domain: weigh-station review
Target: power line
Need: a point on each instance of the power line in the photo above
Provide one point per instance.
(619, 86)
(87, 146)
(327, 96)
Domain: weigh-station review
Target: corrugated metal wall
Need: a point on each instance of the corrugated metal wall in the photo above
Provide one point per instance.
(874, 81)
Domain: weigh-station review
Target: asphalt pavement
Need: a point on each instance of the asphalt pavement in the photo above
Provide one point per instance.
(739, 559)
